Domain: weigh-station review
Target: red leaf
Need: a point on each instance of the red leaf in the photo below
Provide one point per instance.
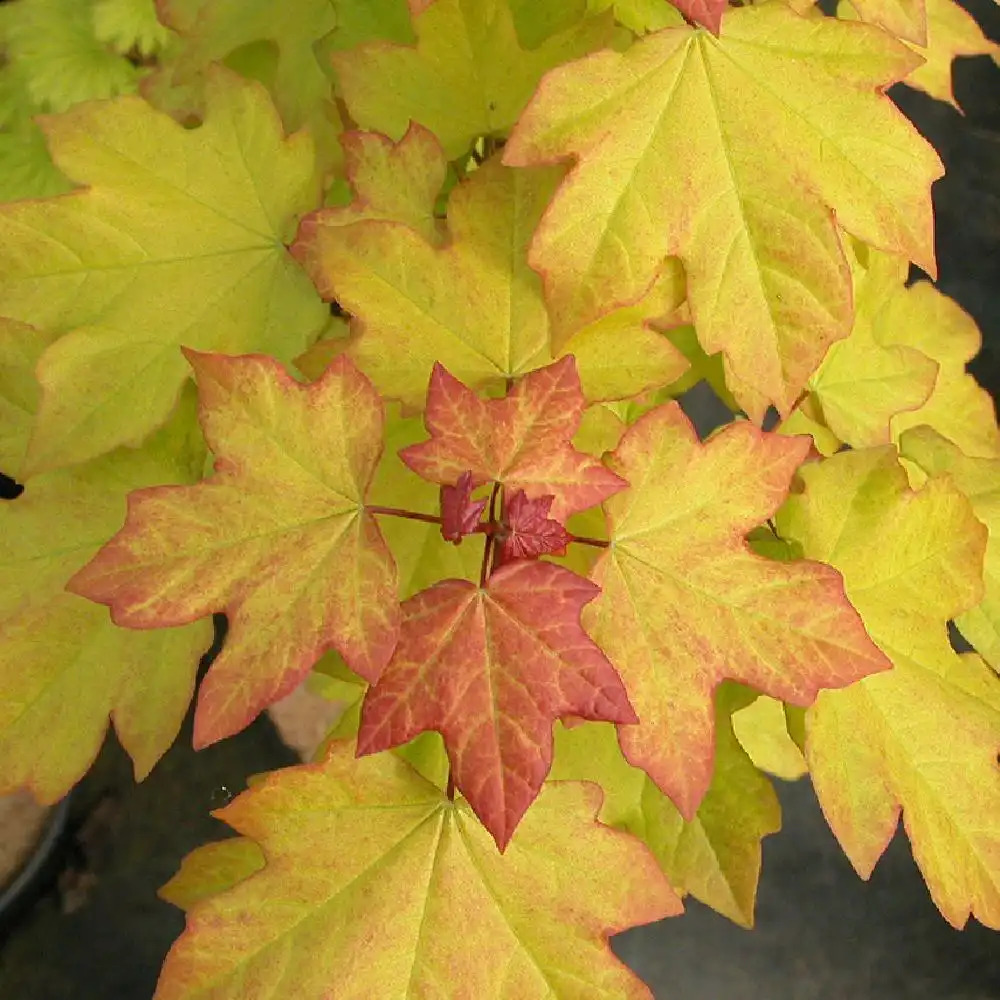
(707, 13)
(490, 669)
(531, 532)
(460, 514)
(522, 440)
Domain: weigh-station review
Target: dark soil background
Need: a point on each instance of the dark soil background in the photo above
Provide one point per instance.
(100, 933)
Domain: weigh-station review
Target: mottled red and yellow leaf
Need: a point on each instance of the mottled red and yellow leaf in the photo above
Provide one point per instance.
(278, 537)
(491, 668)
(521, 440)
(686, 604)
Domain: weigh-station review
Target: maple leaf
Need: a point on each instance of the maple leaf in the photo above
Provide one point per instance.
(937, 30)
(53, 47)
(865, 380)
(375, 885)
(460, 514)
(491, 668)
(715, 857)
(467, 76)
(215, 29)
(763, 731)
(732, 207)
(165, 245)
(685, 604)
(521, 440)
(923, 737)
(951, 32)
(396, 182)
(474, 305)
(64, 668)
(277, 537)
(529, 531)
(211, 869)
(979, 481)
(921, 317)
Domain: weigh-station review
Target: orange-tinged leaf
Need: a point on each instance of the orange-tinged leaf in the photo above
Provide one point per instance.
(474, 305)
(396, 182)
(491, 668)
(529, 532)
(460, 514)
(685, 603)
(521, 440)
(923, 737)
(705, 12)
(377, 886)
(467, 76)
(752, 221)
(64, 668)
(166, 244)
(278, 537)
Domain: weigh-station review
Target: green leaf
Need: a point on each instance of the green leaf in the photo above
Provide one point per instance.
(466, 77)
(177, 238)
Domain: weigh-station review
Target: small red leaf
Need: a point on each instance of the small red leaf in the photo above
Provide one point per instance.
(530, 530)
(522, 440)
(460, 514)
(491, 668)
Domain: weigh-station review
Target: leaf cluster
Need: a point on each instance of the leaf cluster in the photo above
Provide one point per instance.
(368, 324)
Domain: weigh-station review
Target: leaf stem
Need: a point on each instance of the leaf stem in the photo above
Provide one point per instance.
(487, 566)
(450, 790)
(397, 512)
(598, 543)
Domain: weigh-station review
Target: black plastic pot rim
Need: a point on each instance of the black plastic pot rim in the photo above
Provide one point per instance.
(17, 894)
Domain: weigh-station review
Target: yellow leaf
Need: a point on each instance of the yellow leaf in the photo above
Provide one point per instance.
(167, 245)
(979, 480)
(375, 885)
(751, 220)
(474, 305)
(922, 737)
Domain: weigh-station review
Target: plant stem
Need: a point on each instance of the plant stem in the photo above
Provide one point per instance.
(487, 566)
(396, 512)
(450, 790)
(584, 540)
